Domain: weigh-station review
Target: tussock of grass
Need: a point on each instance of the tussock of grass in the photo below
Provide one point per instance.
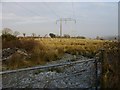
(58, 70)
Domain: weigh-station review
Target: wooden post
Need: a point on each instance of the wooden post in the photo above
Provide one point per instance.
(96, 75)
(102, 59)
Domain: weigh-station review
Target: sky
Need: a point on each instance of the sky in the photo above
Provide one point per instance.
(92, 18)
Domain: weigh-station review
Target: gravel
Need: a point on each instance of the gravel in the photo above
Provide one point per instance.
(73, 76)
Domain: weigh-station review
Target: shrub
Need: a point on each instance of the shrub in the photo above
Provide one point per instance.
(29, 45)
(8, 37)
(9, 41)
(52, 35)
(66, 36)
(81, 37)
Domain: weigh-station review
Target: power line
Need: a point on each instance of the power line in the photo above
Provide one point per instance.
(30, 11)
(12, 25)
(74, 16)
(73, 9)
(26, 9)
(51, 9)
(36, 13)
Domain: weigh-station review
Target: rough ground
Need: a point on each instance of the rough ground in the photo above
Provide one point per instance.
(80, 75)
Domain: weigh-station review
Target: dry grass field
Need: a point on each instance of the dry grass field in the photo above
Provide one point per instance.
(74, 46)
(43, 50)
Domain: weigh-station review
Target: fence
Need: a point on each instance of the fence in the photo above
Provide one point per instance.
(96, 60)
(43, 67)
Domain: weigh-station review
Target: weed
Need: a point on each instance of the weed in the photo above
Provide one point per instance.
(58, 70)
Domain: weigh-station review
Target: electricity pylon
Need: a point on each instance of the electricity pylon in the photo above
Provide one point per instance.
(64, 19)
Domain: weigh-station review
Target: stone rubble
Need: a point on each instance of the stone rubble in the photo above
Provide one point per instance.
(81, 75)
(9, 52)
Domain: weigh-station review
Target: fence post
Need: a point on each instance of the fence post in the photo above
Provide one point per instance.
(102, 59)
(96, 75)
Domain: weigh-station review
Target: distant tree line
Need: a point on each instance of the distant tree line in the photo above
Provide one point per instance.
(52, 35)
(9, 32)
(9, 35)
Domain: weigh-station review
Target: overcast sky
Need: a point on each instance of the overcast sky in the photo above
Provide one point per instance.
(92, 18)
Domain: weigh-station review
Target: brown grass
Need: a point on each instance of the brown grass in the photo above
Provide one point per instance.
(46, 49)
(39, 54)
(111, 66)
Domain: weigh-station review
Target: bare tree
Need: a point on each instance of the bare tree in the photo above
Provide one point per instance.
(16, 33)
(33, 34)
(98, 38)
(24, 34)
(7, 31)
(38, 35)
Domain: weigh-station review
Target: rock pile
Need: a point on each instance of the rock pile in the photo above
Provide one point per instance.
(8, 52)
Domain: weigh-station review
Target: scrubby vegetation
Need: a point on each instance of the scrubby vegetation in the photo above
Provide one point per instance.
(111, 66)
(37, 51)
(42, 50)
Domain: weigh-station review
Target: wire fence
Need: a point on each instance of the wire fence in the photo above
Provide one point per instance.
(44, 67)
(75, 73)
